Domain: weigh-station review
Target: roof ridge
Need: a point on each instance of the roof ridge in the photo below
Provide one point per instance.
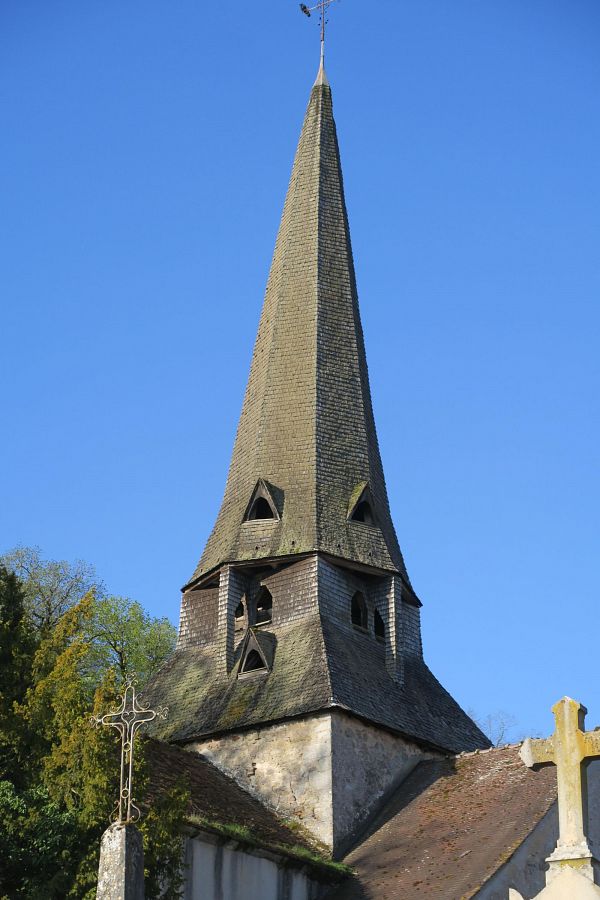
(478, 752)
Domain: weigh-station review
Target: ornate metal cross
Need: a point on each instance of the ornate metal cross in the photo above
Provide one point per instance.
(127, 720)
(567, 749)
(322, 6)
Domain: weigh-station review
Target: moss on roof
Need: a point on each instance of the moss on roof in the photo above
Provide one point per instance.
(307, 427)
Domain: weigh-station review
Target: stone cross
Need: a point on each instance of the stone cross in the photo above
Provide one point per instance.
(567, 749)
(127, 720)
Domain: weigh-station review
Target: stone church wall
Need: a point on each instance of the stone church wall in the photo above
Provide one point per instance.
(288, 766)
(367, 763)
(223, 872)
(328, 771)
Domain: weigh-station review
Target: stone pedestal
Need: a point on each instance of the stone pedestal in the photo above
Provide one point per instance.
(579, 858)
(121, 869)
(568, 884)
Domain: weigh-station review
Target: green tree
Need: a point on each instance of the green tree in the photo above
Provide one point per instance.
(51, 587)
(124, 636)
(17, 648)
(55, 804)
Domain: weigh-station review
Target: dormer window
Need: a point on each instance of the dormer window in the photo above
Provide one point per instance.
(264, 606)
(260, 509)
(262, 504)
(253, 662)
(253, 659)
(358, 611)
(363, 513)
(360, 508)
(378, 626)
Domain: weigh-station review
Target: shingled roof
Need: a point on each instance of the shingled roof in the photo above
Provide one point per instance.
(220, 807)
(215, 798)
(316, 666)
(449, 827)
(306, 428)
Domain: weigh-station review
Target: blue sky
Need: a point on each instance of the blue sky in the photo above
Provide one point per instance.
(145, 154)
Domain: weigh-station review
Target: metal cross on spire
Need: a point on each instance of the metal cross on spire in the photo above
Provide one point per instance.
(127, 720)
(322, 6)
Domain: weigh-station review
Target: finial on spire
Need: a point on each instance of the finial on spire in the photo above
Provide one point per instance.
(322, 6)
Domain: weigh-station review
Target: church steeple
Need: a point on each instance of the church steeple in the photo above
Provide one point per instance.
(307, 425)
(299, 664)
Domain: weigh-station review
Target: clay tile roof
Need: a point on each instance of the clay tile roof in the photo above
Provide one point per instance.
(449, 827)
(214, 796)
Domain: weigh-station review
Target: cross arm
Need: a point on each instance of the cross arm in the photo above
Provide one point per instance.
(592, 743)
(537, 752)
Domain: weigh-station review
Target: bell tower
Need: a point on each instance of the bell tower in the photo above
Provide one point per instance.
(299, 667)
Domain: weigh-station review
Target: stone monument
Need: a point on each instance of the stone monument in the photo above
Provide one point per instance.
(572, 864)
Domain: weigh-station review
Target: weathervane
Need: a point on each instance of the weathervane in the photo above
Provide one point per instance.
(127, 720)
(322, 6)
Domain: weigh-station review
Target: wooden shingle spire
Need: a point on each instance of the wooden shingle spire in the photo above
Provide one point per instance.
(307, 427)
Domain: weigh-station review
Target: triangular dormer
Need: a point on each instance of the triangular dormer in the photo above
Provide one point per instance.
(253, 658)
(361, 507)
(262, 503)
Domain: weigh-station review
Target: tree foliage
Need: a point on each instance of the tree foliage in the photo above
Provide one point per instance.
(17, 645)
(51, 587)
(123, 636)
(58, 775)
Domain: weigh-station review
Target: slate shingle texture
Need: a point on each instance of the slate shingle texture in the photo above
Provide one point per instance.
(316, 666)
(307, 437)
(307, 424)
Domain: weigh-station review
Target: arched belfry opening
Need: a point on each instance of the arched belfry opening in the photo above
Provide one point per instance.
(239, 615)
(359, 613)
(262, 504)
(264, 606)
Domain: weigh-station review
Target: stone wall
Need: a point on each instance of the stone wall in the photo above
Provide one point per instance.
(367, 763)
(328, 771)
(288, 766)
(224, 872)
